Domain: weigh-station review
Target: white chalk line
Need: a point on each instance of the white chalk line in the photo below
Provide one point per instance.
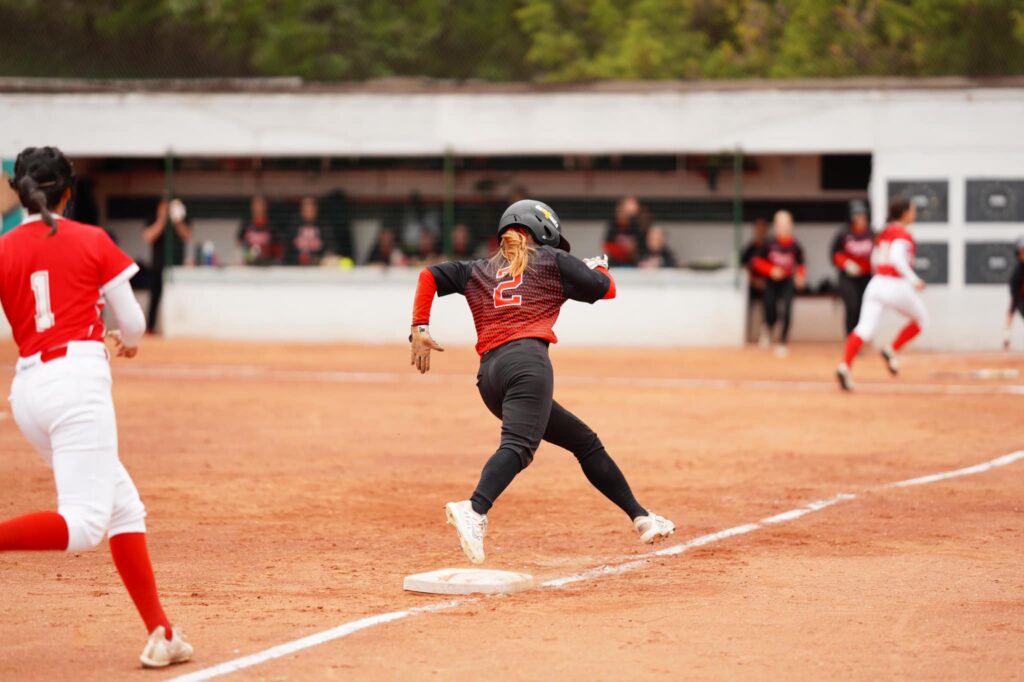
(346, 629)
(258, 373)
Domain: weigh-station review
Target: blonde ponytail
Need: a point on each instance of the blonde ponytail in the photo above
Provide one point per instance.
(514, 252)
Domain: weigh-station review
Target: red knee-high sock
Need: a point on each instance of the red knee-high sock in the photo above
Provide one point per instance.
(132, 560)
(905, 335)
(38, 531)
(853, 344)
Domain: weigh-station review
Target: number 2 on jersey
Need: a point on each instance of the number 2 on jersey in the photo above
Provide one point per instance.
(41, 288)
(500, 299)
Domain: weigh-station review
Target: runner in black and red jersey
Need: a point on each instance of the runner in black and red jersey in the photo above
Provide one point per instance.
(851, 254)
(1016, 291)
(515, 298)
(781, 261)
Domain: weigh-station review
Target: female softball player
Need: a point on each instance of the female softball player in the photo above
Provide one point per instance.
(895, 286)
(515, 298)
(55, 276)
(1016, 291)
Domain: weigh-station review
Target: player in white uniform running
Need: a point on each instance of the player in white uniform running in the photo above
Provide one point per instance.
(895, 286)
(55, 277)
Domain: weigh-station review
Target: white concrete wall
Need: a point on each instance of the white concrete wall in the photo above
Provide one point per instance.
(962, 316)
(369, 305)
(363, 123)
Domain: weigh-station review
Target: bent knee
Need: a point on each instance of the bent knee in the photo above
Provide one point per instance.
(588, 445)
(128, 518)
(87, 526)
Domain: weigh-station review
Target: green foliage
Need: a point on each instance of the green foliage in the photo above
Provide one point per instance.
(539, 40)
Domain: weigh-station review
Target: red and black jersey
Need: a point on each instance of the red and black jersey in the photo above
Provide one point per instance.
(780, 253)
(506, 308)
(850, 246)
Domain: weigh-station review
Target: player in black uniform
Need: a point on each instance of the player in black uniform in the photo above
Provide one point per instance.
(1016, 292)
(851, 254)
(781, 261)
(515, 298)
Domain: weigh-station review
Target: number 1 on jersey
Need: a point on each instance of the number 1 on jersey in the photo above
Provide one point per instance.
(41, 288)
(500, 299)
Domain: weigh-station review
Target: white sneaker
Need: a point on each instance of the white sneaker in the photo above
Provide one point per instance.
(653, 527)
(892, 363)
(161, 652)
(764, 339)
(470, 526)
(843, 375)
(781, 350)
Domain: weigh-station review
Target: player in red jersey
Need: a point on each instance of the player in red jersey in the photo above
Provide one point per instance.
(851, 254)
(515, 298)
(55, 277)
(895, 286)
(781, 262)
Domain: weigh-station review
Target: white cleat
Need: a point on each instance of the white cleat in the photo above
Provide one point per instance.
(892, 363)
(843, 375)
(161, 652)
(653, 527)
(470, 526)
(781, 350)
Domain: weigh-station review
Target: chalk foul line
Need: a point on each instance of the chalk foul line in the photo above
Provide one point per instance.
(346, 629)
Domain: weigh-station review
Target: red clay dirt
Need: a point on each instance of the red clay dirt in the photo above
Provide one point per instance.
(291, 488)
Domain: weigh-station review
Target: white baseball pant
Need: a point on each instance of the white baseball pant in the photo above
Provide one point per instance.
(65, 409)
(894, 293)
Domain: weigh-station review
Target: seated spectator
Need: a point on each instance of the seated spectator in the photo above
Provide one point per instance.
(426, 253)
(624, 238)
(656, 251)
(385, 251)
(306, 239)
(462, 243)
(259, 242)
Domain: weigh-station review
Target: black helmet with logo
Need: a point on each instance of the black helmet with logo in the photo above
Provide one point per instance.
(538, 218)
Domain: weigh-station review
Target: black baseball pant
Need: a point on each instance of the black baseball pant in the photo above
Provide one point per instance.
(776, 293)
(516, 382)
(851, 291)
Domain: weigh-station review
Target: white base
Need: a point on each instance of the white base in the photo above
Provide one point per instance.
(468, 581)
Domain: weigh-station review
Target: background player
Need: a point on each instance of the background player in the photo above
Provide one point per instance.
(895, 285)
(851, 254)
(781, 262)
(515, 298)
(1016, 292)
(54, 277)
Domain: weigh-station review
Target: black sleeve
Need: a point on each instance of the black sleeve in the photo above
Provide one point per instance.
(837, 246)
(452, 276)
(579, 282)
(748, 254)
(670, 259)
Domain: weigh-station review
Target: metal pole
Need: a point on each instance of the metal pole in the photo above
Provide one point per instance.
(737, 211)
(449, 201)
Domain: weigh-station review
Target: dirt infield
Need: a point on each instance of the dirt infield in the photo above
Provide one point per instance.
(291, 488)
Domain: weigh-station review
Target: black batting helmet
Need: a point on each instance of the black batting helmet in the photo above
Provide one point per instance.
(538, 218)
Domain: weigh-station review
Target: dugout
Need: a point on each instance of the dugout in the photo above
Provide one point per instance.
(705, 158)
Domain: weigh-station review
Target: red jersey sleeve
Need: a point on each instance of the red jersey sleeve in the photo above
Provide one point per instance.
(115, 266)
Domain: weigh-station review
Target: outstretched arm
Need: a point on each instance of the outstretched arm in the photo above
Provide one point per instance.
(130, 320)
(419, 337)
(586, 280)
